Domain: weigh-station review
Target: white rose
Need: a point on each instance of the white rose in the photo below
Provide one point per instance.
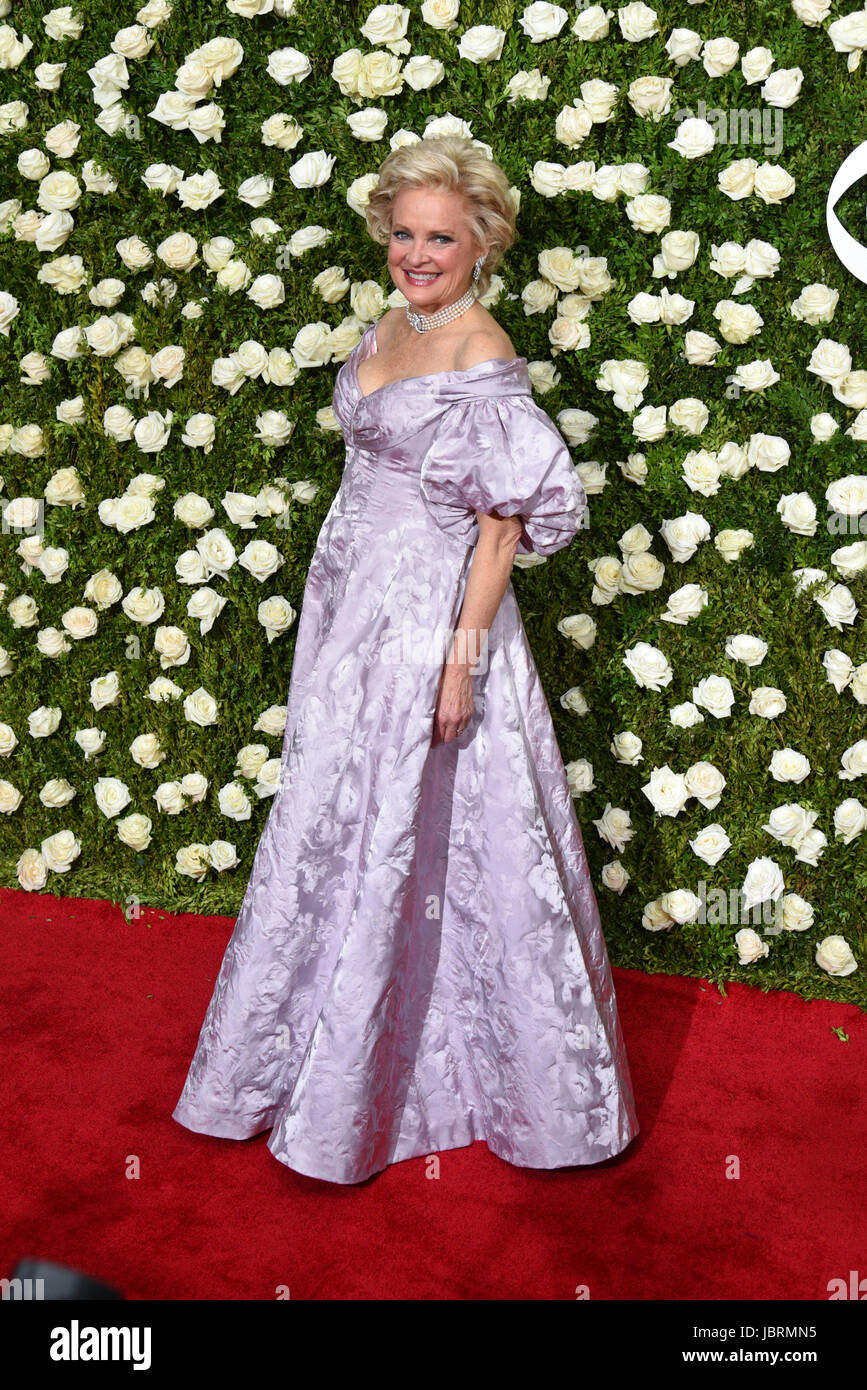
(170, 798)
(738, 179)
(695, 137)
(730, 544)
(737, 322)
(830, 361)
(838, 605)
(573, 125)
(685, 715)
(839, 668)
(715, 694)
(234, 802)
(750, 946)
(256, 190)
(579, 775)
(767, 702)
(615, 827)
(823, 426)
(850, 820)
(80, 622)
(649, 212)
(274, 428)
(261, 559)
(756, 375)
(482, 43)
(45, 720)
(167, 365)
(815, 304)
(441, 14)
(111, 795)
(648, 666)
(615, 876)
(787, 765)
(650, 97)
(580, 628)
(654, 918)
(637, 21)
(834, 955)
(848, 495)
(173, 646)
(683, 534)
(681, 904)
(53, 231)
(797, 511)
(222, 855)
(685, 603)
(858, 683)
(31, 870)
(217, 552)
(710, 844)
(626, 378)
(312, 170)
(773, 183)
(58, 851)
(241, 507)
(641, 572)
(782, 86)
(193, 860)
(118, 423)
(135, 831)
(199, 432)
(756, 65)
(705, 782)
(719, 56)
(152, 431)
(200, 708)
(701, 471)
(854, 761)
(626, 748)
(64, 489)
(573, 699)
(789, 823)
(368, 124)
(763, 882)
(90, 741)
(850, 560)
(58, 191)
(666, 791)
(179, 251)
(747, 648)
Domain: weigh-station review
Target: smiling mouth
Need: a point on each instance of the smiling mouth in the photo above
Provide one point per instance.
(422, 279)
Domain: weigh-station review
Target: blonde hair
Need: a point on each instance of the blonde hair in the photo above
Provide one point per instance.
(454, 164)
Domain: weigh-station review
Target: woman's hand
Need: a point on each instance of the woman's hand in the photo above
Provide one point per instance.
(454, 707)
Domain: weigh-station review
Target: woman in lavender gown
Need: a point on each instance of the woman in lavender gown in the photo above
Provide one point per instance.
(418, 961)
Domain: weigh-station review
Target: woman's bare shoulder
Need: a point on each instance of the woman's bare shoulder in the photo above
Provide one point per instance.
(485, 342)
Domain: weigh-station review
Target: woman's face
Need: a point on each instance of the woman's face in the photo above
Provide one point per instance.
(430, 235)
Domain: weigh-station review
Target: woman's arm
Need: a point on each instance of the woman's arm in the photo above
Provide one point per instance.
(490, 568)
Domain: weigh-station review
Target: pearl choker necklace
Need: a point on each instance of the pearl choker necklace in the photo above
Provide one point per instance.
(423, 322)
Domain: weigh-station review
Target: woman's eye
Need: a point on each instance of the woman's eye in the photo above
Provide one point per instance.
(442, 237)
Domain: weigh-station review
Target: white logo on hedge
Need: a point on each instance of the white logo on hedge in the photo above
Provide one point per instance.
(849, 251)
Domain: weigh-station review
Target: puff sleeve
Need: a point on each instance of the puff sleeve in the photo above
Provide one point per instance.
(503, 454)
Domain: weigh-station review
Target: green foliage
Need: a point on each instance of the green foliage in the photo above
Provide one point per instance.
(235, 662)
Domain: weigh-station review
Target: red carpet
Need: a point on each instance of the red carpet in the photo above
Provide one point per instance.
(100, 1020)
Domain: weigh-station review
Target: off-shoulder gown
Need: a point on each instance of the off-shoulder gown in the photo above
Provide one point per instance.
(418, 961)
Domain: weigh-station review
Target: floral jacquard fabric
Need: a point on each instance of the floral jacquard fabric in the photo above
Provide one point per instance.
(418, 961)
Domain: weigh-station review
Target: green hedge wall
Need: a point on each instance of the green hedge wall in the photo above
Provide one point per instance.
(234, 662)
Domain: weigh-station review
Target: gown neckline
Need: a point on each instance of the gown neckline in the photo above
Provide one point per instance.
(427, 376)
